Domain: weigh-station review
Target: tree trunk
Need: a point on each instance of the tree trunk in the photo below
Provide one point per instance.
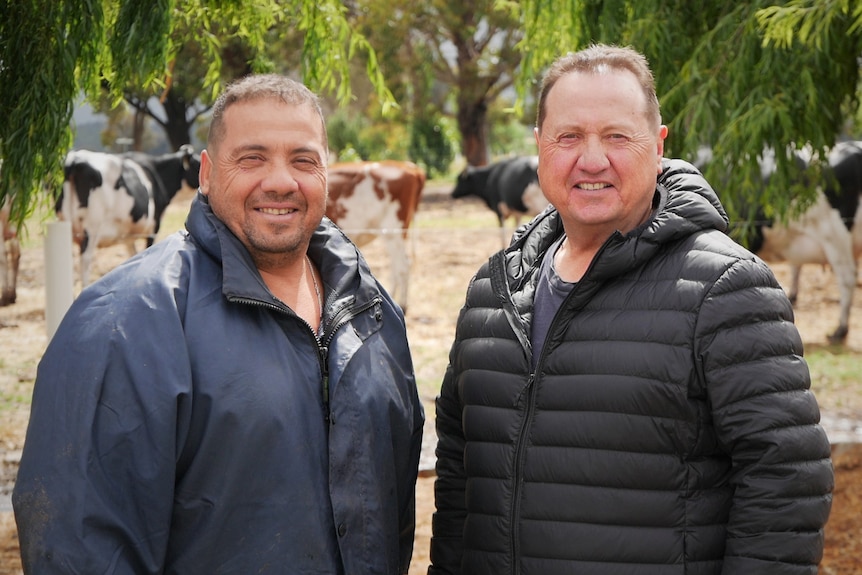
(473, 125)
(138, 129)
(178, 126)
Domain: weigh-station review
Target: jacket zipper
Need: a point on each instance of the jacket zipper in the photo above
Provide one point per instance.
(519, 472)
(498, 274)
(344, 315)
(499, 284)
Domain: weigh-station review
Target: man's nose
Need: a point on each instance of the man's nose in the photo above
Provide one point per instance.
(279, 178)
(593, 156)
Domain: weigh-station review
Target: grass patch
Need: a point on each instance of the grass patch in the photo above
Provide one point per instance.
(172, 220)
(836, 376)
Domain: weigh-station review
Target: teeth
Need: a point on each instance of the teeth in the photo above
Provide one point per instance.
(276, 212)
(591, 186)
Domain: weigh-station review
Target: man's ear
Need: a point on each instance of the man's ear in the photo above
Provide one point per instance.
(204, 177)
(662, 134)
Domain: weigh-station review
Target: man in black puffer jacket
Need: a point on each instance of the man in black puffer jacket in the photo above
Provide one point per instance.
(626, 392)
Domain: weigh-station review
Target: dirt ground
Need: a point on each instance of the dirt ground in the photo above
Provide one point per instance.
(449, 241)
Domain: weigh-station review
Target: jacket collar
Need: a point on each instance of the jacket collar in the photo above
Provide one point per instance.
(346, 276)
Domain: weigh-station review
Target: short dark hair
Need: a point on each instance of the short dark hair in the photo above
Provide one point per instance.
(598, 59)
(258, 87)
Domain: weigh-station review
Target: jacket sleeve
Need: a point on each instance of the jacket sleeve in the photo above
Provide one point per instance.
(767, 419)
(95, 484)
(449, 496)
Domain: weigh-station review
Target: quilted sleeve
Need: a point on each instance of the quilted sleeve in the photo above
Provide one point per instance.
(767, 419)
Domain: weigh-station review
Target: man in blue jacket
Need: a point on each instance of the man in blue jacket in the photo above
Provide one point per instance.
(626, 393)
(240, 397)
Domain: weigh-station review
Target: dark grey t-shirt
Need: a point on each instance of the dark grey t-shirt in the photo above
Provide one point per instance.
(551, 290)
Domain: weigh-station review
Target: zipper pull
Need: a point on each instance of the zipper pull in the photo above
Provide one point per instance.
(323, 354)
(524, 390)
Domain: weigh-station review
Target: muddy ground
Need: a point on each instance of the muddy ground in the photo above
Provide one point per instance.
(450, 240)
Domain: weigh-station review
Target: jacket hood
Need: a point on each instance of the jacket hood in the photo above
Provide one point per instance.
(341, 266)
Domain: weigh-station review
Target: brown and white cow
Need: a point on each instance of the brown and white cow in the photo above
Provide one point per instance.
(118, 198)
(367, 199)
(10, 256)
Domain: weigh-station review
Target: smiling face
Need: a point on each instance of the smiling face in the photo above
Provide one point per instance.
(265, 177)
(599, 154)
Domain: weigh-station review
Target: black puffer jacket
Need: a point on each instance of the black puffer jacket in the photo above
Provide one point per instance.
(667, 429)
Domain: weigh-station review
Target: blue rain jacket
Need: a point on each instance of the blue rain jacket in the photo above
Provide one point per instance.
(184, 420)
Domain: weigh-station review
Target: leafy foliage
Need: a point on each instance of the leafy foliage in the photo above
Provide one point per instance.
(431, 144)
(356, 137)
(41, 43)
(455, 57)
(50, 51)
(738, 77)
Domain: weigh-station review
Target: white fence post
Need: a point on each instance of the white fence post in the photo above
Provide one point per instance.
(58, 274)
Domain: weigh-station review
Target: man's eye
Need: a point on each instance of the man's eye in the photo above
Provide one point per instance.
(306, 163)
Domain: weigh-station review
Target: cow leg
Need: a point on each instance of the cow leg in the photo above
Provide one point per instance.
(505, 234)
(846, 277)
(517, 217)
(503, 241)
(86, 263)
(503, 213)
(840, 257)
(4, 273)
(399, 261)
(88, 249)
(10, 274)
(795, 271)
(4, 265)
(132, 248)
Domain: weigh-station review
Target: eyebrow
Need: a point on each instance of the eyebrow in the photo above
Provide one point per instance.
(261, 147)
(309, 150)
(248, 148)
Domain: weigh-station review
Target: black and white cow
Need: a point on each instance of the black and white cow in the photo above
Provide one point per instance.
(10, 256)
(828, 232)
(509, 187)
(118, 198)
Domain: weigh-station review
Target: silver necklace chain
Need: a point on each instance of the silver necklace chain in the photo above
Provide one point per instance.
(316, 287)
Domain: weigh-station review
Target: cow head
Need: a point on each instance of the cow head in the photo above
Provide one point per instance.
(471, 182)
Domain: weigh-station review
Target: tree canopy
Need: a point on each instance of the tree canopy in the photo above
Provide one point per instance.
(52, 51)
(739, 77)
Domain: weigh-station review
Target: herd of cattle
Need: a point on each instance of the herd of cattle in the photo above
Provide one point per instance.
(119, 198)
